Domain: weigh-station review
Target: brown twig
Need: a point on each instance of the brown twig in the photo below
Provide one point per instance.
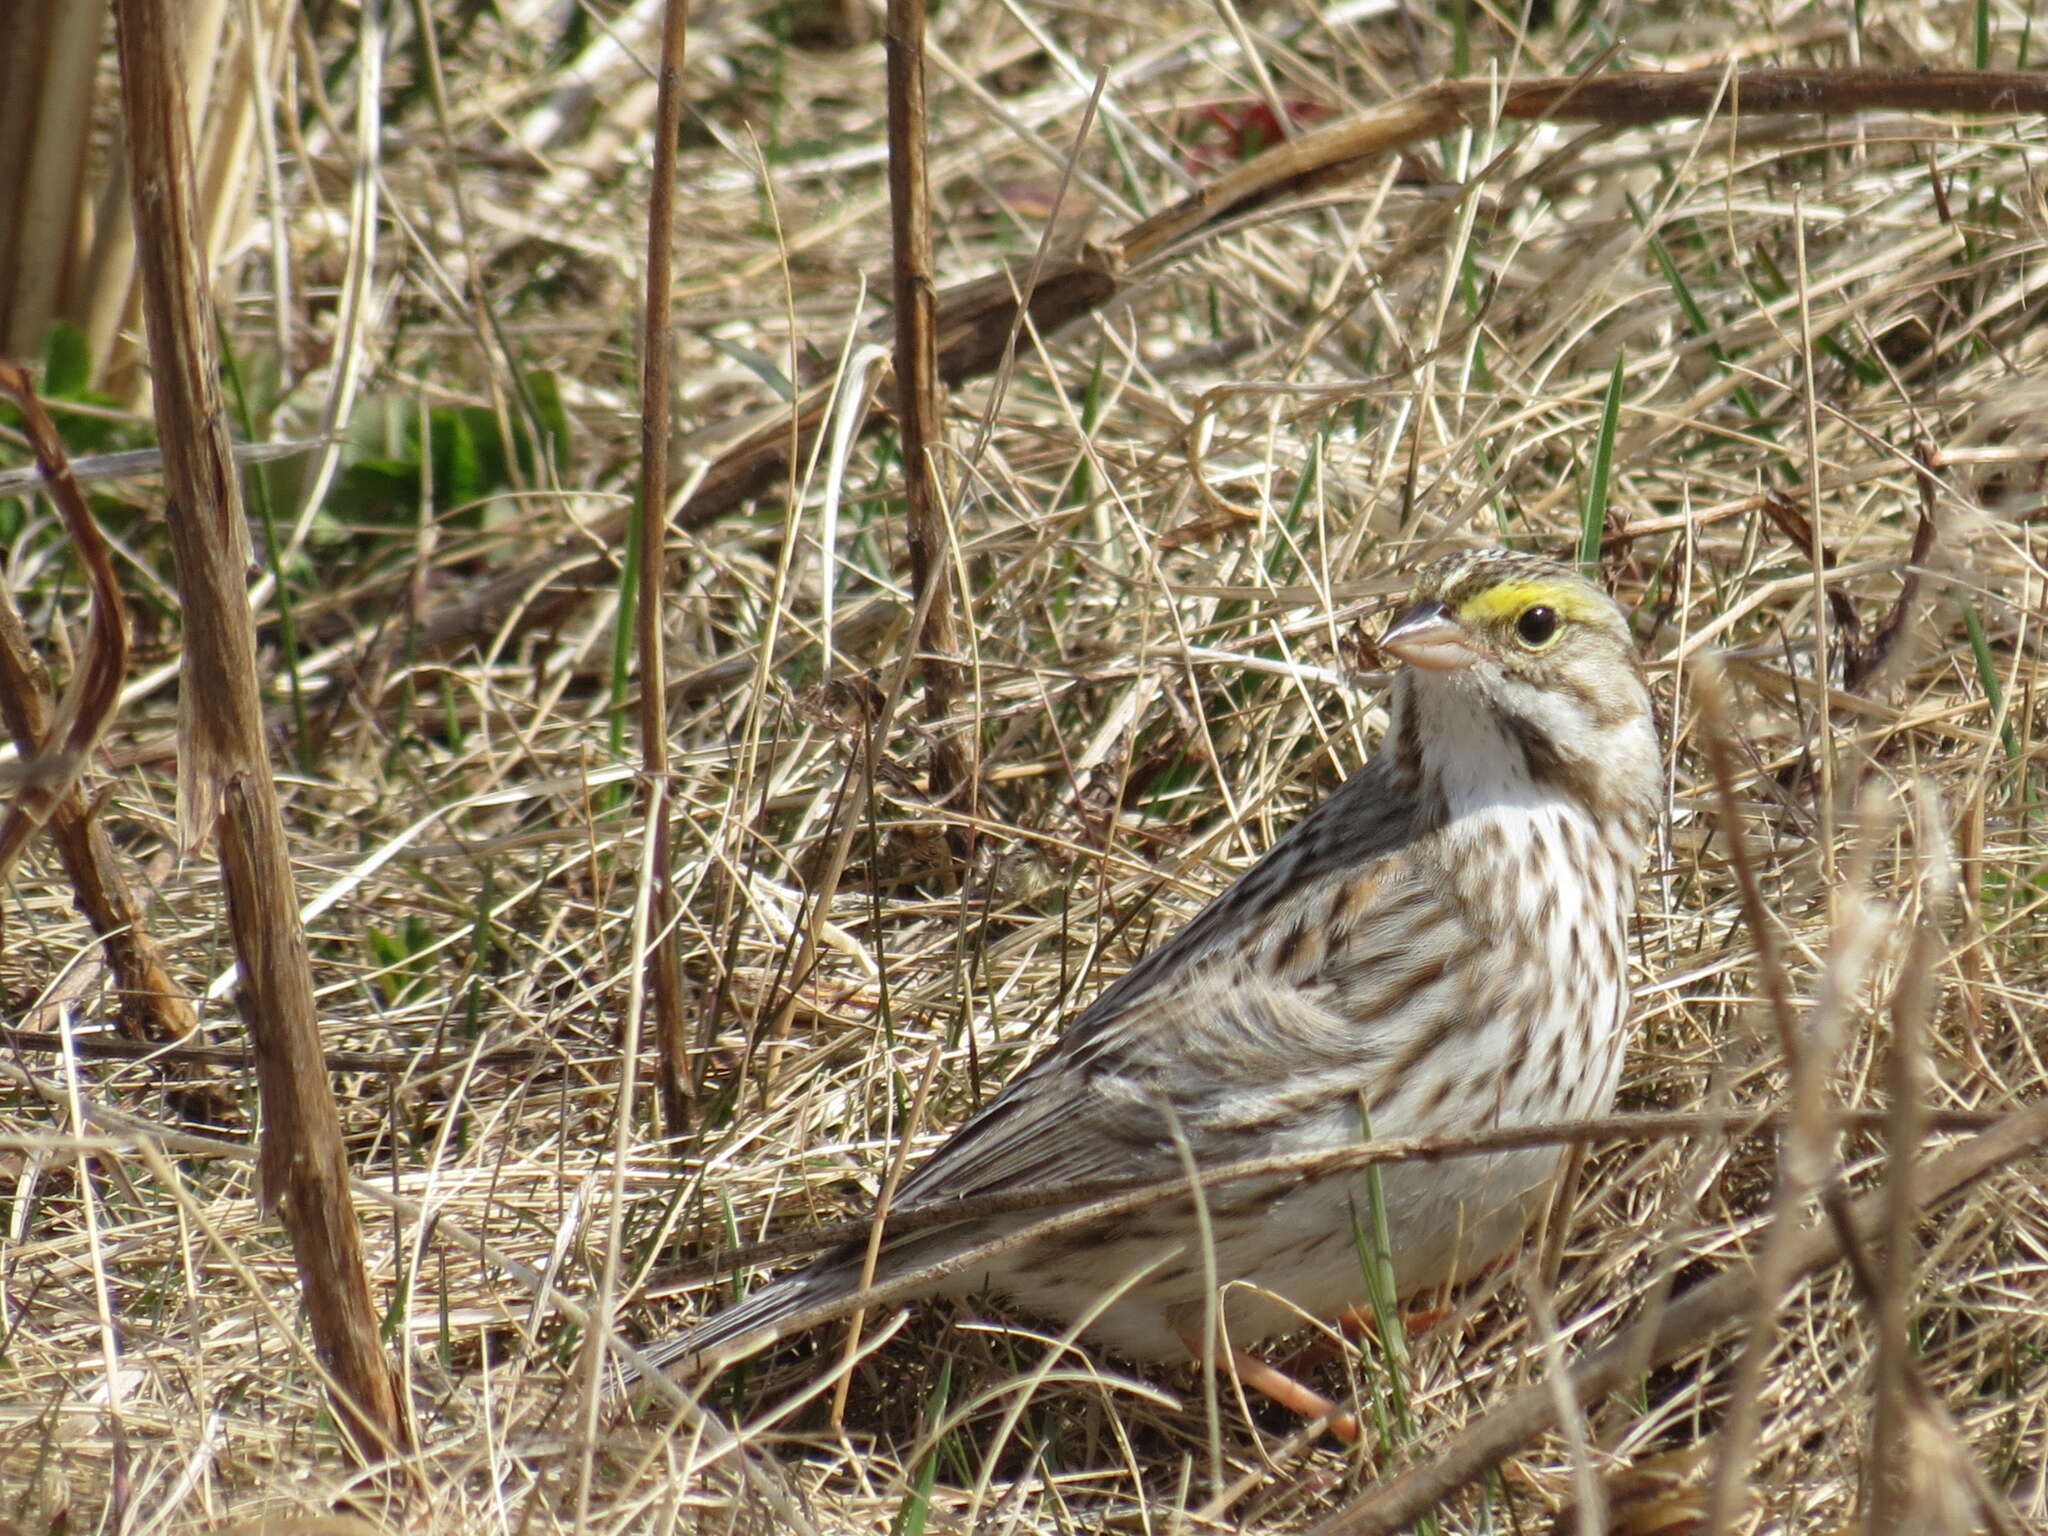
(153, 1006)
(664, 967)
(1799, 532)
(56, 753)
(1862, 663)
(653, 947)
(1803, 1161)
(224, 784)
(1624, 99)
(917, 414)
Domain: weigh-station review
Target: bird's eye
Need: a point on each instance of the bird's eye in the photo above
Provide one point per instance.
(1537, 626)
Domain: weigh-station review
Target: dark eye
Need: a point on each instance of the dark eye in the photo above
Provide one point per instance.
(1537, 626)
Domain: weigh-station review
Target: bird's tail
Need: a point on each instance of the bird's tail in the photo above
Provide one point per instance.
(770, 1314)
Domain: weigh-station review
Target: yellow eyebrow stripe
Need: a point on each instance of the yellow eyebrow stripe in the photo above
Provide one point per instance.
(1506, 600)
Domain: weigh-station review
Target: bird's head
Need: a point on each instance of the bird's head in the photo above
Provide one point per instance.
(1513, 654)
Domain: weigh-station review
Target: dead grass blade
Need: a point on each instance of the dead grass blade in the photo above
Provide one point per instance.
(1225, 349)
(1692, 1319)
(972, 323)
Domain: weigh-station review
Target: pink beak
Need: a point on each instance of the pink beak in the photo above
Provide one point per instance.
(1426, 636)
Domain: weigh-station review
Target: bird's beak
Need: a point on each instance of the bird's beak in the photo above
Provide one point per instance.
(1426, 636)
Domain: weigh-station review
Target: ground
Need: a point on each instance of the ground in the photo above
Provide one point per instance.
(1774, 377)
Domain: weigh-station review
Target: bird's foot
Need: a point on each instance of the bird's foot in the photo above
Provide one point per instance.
(1356, 1323)
(1297, 1397)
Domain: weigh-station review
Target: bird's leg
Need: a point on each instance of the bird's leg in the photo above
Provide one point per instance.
(1292, 1394)
(1354, 1323)
(1295, 1396)
(1420, 1320)
(1358, 1322)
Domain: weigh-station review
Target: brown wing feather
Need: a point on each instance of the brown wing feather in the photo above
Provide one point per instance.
(1190, 1034)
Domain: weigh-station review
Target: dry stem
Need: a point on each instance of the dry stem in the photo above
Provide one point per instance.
(224, 787)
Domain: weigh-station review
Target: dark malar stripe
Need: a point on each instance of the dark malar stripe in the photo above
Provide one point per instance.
(1577, 782)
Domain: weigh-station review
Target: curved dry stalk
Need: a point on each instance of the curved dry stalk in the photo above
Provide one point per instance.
(154, 1008)
(57, 746)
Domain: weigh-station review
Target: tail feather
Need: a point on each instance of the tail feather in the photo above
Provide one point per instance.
(754, 1323)
(806, 1298)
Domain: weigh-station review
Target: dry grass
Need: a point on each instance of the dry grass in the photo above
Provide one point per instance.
(1157, 685)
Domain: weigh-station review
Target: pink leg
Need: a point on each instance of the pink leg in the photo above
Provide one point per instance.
(1296, 1397)
(1356, 1323)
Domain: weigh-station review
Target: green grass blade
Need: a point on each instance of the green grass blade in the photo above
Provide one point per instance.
(1593, 515)
(1987, 678)
(916, 1507)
